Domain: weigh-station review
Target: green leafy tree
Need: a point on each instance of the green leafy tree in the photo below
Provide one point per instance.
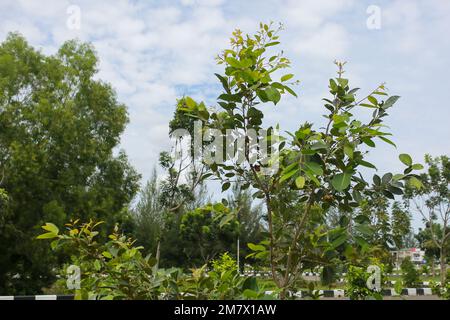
(58, 129)
(208, 231)
(426, 243)
(409, 273)
(400, 225)
(162, 204)
(250, 219)
(433, 203)
(149, 214)
(322, 166)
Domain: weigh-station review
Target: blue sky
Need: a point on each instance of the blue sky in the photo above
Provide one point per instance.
(155, 51)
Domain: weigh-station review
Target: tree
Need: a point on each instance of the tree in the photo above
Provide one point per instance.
(409, 273)
(207, 232)
(433, 203)
(427, 244)
(149, 214)
(322, 166)
(249, 217)
(58, 129)
(400, 225)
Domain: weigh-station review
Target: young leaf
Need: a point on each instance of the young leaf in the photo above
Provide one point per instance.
(51, 228)
(416, 183)
(406, 159)
(286, 77)
(300, 182)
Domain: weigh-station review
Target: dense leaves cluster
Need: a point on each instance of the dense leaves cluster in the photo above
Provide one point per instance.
(58, 129)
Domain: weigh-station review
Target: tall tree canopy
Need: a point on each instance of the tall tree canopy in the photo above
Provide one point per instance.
(58, 129)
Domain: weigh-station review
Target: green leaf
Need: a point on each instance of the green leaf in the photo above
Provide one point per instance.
(290, 91)
(417, 166)
(369, 142)
(406, 159)
(373, 100)
(341, 181)
(300, 182)
(226, 186)
(342, 82)
(416, 183)
(106, 254)
(387, 178)
(365, 229)
(361, 241)
(256, 247)
(286, 77)
(366, 105)
(230, 97)
(287, 175)
(270, 44)
(357, 196)
(388, 141)
(250, 294)
(51, 228)
(224, 82)
(190, 102)
(273, 94)
(250, 284)
(319, 145)
(348, 150)
(48, 235)
(233, 62)
(390, 102)
(367, 164)
(54, 244)
(314, 168)
(339, 241)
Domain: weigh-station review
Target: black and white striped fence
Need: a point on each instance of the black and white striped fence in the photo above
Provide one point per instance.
(39, 297)
(337, 293)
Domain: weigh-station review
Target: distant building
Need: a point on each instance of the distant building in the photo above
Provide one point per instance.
(415, 254)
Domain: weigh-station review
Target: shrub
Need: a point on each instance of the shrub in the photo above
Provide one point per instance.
(409, 273)
(356, 288)
(116, 269)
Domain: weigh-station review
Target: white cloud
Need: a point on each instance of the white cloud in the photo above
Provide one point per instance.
(152, 52)
(329, 42)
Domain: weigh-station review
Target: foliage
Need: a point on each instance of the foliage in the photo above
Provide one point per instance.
(208, 231)
(149, 215)
(59, 126)
(116, 269)
(224, 263)
(433, 203)
(410, 274)
(442, 291)
(400, 225)
(318, 167)
(356, 287)
(250, 219)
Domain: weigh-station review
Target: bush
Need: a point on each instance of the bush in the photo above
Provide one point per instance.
(356, 288)
(224, 263)
(116, 269)
(409, 273)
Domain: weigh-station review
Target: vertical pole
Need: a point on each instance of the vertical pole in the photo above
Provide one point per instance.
(238, 255)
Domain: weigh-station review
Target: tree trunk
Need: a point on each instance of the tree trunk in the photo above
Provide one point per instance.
(157, 254)
(433, 271)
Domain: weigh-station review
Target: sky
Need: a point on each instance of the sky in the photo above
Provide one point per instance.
(153, 52)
